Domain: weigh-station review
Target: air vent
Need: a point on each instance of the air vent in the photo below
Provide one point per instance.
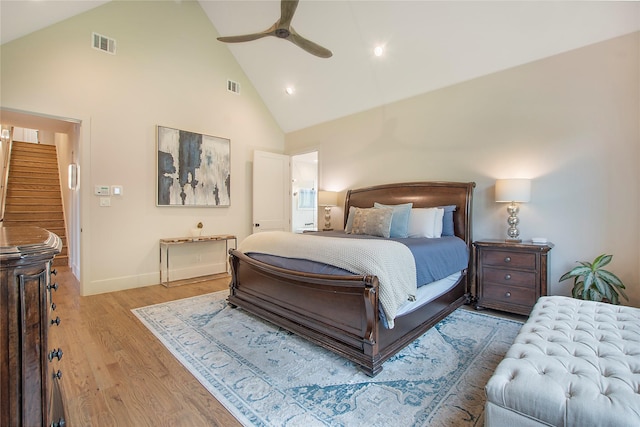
(104, 43)
(233, 86)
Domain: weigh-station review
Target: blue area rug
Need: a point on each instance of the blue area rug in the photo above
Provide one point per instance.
(266, 376)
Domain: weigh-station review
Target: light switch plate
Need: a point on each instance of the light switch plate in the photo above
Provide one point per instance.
(116, 190)
(105, 201)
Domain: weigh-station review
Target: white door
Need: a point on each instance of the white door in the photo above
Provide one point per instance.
(271, 192)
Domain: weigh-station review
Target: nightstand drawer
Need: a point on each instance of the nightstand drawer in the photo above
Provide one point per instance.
(511, 259)
(510, 294)
(507, 277)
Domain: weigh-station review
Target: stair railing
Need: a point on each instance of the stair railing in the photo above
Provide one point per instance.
(5, 151)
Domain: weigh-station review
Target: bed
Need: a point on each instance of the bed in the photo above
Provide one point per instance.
(341, 312)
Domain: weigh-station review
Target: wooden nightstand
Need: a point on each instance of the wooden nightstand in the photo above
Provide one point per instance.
(510, 276)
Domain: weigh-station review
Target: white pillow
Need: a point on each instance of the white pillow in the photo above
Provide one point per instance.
(426, 222)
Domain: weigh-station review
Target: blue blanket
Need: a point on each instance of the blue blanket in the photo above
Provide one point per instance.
(435, 258)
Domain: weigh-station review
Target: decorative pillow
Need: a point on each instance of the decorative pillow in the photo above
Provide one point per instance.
(372, 221)
(447, 220)
(400, 218)
(426, 222)
(349, 225)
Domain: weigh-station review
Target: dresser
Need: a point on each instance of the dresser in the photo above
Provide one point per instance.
(29, 359)
(510, 276)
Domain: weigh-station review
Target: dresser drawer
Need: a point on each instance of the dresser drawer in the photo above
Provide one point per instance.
(510, 259)
(509, 294)
(508, 277)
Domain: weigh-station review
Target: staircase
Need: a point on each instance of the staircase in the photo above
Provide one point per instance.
(33, 192)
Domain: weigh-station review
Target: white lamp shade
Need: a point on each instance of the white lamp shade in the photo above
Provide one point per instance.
(513, 190)
(327, 198)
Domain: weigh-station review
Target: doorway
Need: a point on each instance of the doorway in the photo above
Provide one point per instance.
(64, 133)
(304, 192)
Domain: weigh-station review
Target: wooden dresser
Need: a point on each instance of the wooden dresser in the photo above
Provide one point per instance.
(510, 276)
(29, 360)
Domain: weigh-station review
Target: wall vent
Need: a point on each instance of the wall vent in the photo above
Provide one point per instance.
(233, 86)
(103, 43)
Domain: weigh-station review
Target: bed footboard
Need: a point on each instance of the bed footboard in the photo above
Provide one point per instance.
(335, 312)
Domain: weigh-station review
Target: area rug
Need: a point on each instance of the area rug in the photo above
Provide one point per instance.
(266, 376)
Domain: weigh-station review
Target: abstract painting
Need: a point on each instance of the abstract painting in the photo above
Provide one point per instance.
(193, 169)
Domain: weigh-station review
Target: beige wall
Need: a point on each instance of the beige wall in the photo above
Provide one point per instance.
(170, 71)
(570, 122)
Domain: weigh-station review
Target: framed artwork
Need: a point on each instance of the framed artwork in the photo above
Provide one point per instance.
(193, 169)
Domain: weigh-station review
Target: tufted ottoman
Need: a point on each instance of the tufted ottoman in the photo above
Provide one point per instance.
(574, 363)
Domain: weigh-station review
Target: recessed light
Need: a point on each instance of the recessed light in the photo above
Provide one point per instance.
(378, 50)
(290, 90)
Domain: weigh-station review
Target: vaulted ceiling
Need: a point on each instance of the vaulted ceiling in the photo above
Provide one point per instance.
(428, 44)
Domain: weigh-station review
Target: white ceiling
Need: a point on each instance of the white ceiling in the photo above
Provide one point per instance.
(429, 44)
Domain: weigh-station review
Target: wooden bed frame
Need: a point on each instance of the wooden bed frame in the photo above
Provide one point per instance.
(340, 313)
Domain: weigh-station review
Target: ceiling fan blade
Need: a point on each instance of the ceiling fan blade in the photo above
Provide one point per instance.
(287, 9)
(243, 38)
(308, 45)
(249, 37)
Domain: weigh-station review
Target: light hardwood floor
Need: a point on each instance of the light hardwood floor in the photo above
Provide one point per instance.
(115, 372)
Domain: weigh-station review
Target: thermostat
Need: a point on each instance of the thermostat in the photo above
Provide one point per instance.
(101, 190)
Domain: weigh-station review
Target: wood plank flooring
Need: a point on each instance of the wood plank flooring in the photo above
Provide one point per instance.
(115, 372)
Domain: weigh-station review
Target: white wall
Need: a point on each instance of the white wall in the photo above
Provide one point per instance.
(169, 70)
(570, 122)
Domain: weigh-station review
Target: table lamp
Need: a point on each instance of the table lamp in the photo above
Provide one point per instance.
(513, 191)
(328, 199)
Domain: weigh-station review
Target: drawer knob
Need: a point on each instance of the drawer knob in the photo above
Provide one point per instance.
(54, 286)
(507, 277)
(56, 321)
(55, 353)
(507, 259)
(54, 272)
(53, 306)
(57, 375)
(60, 423)
(508, 294)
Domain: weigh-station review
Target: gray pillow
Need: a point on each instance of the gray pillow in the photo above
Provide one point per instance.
(372, 221)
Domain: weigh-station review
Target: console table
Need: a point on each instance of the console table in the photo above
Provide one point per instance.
(165, 244)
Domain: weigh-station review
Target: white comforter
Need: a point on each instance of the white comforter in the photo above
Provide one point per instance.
(390, 261)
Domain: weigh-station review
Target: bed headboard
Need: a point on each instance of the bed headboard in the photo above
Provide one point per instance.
(422, 195)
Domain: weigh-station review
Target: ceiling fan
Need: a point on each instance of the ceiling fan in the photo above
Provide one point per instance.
(283, 29)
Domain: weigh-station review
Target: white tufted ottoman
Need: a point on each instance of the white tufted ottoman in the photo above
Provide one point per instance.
(574, 363)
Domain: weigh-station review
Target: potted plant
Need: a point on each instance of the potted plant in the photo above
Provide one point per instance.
(592, 282)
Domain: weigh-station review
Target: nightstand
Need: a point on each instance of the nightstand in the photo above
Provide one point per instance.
(510, 276)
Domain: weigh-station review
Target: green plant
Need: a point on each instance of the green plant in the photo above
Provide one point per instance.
(592, 282)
